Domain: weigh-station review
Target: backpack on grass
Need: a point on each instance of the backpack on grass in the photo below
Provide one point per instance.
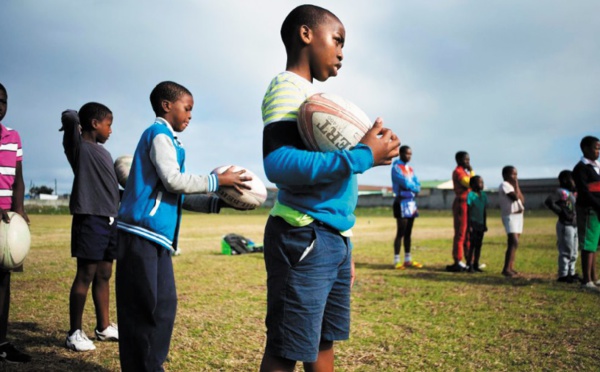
(236, 244)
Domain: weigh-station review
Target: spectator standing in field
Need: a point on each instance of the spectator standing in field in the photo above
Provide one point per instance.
(586, 175)
(511, 202)
(477, 212)
(562, 202)
(406, 187)
(12, 195)
(460, 179)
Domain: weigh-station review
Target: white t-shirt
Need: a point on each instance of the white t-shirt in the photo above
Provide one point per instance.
(507, 205)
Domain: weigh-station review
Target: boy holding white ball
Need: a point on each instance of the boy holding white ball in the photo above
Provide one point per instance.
(149, 220)
(11, 199)
(308, 254)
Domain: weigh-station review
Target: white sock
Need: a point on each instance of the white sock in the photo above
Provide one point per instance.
(407, 257)
(396, 258)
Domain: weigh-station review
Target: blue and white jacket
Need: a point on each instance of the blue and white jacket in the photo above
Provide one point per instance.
(153, 198)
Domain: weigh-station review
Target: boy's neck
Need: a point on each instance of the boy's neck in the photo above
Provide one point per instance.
(89, 136)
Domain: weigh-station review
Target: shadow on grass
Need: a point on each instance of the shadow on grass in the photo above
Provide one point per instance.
(439, 274)
(27, 336)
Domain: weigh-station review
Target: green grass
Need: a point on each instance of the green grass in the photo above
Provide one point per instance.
(424, 319)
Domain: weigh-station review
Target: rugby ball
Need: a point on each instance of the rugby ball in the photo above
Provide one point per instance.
(122, 168)
(15, 241)
(328, 122)
(249, 199)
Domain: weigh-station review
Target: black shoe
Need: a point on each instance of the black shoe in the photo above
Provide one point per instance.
(477, 269)
(565, 279)
(10, 354)
(575, 278)
(455, 268)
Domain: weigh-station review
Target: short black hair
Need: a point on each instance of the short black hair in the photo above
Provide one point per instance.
(403, 149)
(473, 181)
(588, 141)
(166, 90)
(507, 170)
(460, 155)
(309, 15)
(2, 88)
(564, 176)
(91, 111)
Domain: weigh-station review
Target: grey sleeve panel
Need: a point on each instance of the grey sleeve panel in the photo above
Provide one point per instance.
(164, 157)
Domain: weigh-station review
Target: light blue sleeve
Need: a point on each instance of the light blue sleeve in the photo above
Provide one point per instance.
(291, 166)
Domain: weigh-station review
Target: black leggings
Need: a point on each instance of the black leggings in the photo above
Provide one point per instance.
(403, 231)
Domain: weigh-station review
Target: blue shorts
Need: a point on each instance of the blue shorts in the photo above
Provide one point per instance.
(94, 237)
(308, 288)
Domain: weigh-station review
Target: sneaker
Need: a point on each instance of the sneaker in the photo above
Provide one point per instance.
(462, 264)
(565, 279)
(454, 268)
(482, 266)
(590, 286)
(10, 354)
(111, 333)
(413, 264)
(399, 266)
(78, 341)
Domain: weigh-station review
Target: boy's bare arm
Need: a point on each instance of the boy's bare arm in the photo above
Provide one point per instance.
(18, 196)
(384, 144)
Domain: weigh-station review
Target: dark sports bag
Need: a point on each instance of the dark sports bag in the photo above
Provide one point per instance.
(237, 244)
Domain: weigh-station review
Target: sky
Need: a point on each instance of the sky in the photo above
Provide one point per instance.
(512, 82)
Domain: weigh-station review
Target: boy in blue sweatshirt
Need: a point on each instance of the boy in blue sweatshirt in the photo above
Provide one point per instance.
(148, 222)
(308, 254)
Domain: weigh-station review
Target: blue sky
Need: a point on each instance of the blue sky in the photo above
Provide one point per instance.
(511, 82)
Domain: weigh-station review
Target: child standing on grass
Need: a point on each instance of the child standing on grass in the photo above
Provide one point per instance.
(460, 180)
(406, 187)
(12, 195)
(93, 204)
(511, 202)
(586, 175)
(477, 211)
(149, 221)
(562, 202)
(308, 254)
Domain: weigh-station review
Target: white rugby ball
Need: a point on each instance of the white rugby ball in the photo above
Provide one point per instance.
(122, 168)
(249, 199)
(328, 122)
(15, 241)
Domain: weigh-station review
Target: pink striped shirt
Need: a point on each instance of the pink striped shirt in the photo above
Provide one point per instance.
(11, 152)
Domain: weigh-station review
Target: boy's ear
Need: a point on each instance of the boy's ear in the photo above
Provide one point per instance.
(94, 123)
(166, 105)
(305, 34)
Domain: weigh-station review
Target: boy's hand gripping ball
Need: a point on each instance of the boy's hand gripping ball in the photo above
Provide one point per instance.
(15, 241)
(250, 198)
(327, 122)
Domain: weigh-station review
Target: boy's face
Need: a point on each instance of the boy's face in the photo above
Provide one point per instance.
(512, 176)
(179, 113)
(592, 152)
(325, 49)
(406, 155)
(3, 103)
(465, 161)
(480, 184)
(103, 128)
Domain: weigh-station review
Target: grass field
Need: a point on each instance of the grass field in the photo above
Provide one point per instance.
(415, 320)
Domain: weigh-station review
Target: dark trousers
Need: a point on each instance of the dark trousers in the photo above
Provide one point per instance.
(146, 303)
(476, 241)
